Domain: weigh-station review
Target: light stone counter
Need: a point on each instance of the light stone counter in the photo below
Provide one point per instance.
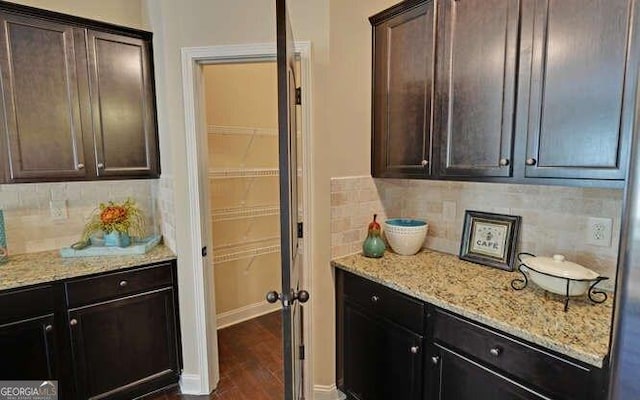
(485, 295)
(48, 266)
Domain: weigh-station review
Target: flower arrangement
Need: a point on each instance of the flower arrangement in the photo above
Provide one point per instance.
(113, 217)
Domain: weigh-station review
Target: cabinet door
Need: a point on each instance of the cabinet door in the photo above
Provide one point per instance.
(477, 42)
(460, 378)
(28, 349)
(123, 105)
(43, 132)
(403, 69)
(381, 360)
(583, 74)
(122, 342)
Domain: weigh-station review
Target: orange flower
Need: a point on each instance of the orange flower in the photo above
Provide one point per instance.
(113, 215)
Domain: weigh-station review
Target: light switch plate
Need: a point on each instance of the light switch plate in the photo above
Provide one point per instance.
(599, 231)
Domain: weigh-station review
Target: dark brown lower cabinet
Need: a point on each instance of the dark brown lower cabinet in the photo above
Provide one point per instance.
(29, 344)
(460, 378)
(387, 350)
(111, 336)
(383, 360)
(122, 345)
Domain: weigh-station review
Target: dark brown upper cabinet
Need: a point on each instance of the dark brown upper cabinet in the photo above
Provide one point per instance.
(514, 91)
(41, 99)
(476, 74)
(403, 90)
(582, 80)
(122, 103)
(77, 98)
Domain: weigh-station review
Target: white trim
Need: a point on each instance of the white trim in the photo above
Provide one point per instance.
(191, 134)
(190, 384)
(241, 130)
(245, 313)
(192, 59)
(327, 392)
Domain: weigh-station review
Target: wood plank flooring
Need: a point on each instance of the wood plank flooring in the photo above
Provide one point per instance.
(250, 362)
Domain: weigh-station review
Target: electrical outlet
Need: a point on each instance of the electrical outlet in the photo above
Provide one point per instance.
(599, 231)
(58, 209)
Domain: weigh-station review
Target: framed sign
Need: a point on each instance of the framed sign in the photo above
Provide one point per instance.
(490, 239)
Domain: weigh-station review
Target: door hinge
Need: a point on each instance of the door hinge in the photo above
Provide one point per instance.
(204, 251)
(298, 96)
(300, 230)
(301, 351)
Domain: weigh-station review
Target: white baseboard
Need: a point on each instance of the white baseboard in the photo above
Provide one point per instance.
(245, 313)
(327, 392)
(191, 384)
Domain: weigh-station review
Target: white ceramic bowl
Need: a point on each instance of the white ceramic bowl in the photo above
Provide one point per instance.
(405, 235)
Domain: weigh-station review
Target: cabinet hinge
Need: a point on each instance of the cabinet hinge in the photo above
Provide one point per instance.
(298, 96)
(301, 352)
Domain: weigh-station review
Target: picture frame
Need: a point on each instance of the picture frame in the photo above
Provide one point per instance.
(490, 239)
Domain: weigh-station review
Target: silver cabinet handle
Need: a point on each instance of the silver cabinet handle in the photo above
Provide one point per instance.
(48, 328)
(504, 162)
(100, 165)
(530, 161)
(435, 360)
(496, 351)
(424, 163)
(415, 349)
(73, 322)
(375, 299)
(123, 283)
(80, 166)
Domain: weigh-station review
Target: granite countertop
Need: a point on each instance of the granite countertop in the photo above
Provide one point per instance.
(47, 266)
(485, 295)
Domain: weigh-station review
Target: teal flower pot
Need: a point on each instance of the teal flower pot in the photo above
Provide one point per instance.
(117, 239)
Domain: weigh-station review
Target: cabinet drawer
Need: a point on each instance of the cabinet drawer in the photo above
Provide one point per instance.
(552, 375)
(104, 287)
(385, 302)
(26, 303)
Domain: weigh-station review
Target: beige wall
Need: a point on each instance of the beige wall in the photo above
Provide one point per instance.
(242, 121)
(120, 12)
(341, 74)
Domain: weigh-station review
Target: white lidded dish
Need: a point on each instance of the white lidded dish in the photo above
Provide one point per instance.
(555, 273)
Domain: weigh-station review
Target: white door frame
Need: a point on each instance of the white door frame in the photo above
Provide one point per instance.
(192, 60)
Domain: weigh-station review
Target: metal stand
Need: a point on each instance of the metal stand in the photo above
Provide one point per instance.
(595, 295)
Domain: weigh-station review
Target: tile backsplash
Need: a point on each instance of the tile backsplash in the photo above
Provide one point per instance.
(554, 219)
(30, 227)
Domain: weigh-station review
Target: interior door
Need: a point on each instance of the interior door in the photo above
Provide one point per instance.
(290, 205)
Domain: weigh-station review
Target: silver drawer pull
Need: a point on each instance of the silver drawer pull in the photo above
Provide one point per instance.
(80, 166)
(48, 328)
(123, 283)
(415, 349)
(424, 163)
(496, 351)
(435, 360)
(375, 299)
(73, 322)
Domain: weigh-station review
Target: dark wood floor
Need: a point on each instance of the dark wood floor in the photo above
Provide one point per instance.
(250, 362)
